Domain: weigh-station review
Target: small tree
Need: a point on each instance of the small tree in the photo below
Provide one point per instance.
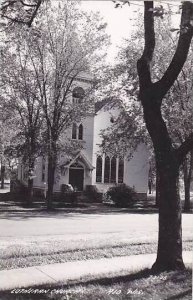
(22, 107)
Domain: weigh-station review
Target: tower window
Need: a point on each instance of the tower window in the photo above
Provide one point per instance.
(77, 95)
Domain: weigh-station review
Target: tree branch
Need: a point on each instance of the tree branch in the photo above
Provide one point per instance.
(143, 64)
(36, 6)
(181, 53)
(35, 12)
(185, 147)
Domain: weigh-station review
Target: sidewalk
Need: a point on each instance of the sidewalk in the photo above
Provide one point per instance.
(78, 271)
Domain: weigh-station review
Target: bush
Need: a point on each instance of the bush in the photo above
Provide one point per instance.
(66, 188)
(93, 194)
(122, 195)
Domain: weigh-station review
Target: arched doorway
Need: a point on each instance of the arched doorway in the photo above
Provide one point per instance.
(76, 176)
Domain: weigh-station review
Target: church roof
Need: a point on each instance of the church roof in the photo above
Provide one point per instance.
(82, 157)
(106, 101)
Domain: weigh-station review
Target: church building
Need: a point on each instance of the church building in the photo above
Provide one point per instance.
(88, 166)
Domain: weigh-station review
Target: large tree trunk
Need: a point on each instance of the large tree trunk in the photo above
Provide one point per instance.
(169, 254)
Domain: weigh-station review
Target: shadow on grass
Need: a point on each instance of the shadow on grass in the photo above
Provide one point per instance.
(176, 286)
(10, 209)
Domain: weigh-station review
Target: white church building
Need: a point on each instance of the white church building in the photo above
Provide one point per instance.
(88, 166)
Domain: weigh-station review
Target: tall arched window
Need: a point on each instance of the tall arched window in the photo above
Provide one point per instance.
(99, 164)
(107, 170)
(121, 170)
(80, 132)
(113, 169)
(77, 95)
(74, 131)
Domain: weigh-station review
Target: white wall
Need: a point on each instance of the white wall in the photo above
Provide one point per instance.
(135, 170)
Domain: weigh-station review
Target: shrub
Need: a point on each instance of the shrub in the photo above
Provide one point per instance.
(122, 195)
(66, 188)
(93, 194)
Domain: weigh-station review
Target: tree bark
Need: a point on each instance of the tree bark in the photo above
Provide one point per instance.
(157, 196)
(2, 176)
(187, 170)
(169, 254)
(52, 158)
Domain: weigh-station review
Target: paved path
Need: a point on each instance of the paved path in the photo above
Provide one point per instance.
(73, 272)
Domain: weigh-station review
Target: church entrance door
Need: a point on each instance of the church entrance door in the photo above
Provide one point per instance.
(76, 177)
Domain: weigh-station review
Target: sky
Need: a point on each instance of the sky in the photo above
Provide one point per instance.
(121, 21)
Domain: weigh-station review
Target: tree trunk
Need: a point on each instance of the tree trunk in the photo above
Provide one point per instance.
(2, 176)
(187, 170)
(187, 204)
(52, 157)
(169, 254)
(30, 178)
(30, 192)
(157, 196)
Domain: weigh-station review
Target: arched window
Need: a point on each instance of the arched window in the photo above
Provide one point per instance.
(121, 170)
(74, 130)
(77, 95)
(107, 170)
(113, 169)
(99, 164)
(80, 132)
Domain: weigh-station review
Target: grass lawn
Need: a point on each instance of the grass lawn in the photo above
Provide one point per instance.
(143, 285)
(35, 253)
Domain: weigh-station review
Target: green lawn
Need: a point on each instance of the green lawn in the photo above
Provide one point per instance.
(35, 253)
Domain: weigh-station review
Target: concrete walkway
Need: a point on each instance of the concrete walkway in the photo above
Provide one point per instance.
(78, 271)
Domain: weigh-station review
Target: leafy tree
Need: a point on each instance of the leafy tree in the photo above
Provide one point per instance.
(22, 107)
(59, 50)
(168, 158)
(128, 130)
(159, 101)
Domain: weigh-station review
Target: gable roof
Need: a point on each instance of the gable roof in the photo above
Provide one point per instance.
(80, 155)
(112, 102)
(101, 104)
